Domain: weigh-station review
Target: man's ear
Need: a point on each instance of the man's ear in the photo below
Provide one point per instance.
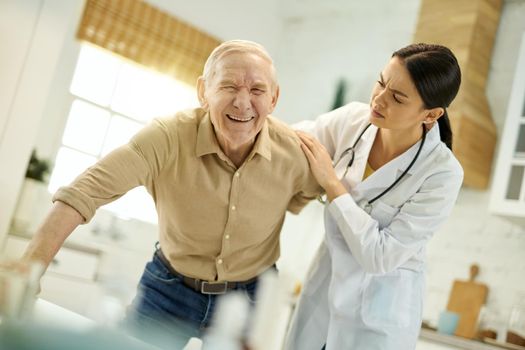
(432, 115)
(201, 92)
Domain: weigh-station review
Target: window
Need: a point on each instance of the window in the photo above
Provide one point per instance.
(508, 190)
(113, 99)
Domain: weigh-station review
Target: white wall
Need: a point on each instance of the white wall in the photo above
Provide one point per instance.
(22, 16)
(323, 42)
(33, 62)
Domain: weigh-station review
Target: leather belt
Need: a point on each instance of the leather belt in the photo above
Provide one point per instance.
(200, 286)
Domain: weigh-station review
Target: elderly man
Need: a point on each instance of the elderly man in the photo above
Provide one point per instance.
(222, 177)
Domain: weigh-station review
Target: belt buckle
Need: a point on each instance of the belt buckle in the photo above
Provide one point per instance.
(214, 287)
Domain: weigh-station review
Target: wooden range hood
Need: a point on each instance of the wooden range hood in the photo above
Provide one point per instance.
(468, 28)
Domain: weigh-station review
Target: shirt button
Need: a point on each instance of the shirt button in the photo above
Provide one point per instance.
(233, 207)
(219, 261)
(238, 174)
(227, 236)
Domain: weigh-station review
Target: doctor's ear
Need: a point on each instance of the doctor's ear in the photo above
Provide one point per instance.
(432, 115)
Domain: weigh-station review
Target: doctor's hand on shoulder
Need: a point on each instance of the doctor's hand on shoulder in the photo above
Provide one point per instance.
(321, 166)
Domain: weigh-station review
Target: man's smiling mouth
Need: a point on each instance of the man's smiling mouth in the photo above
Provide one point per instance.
(239, 119)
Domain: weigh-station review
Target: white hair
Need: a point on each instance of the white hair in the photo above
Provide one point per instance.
(237, 46)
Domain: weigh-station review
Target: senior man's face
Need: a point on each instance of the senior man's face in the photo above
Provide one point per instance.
(239, 95)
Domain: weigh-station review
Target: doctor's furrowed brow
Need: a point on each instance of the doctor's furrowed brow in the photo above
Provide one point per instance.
(397, 92)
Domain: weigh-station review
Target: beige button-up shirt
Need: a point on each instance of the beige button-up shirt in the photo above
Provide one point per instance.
(216, 221)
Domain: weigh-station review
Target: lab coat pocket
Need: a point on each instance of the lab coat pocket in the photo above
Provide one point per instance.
(387, 300)
(383, 213)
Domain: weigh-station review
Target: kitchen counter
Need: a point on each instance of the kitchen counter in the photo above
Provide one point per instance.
(453, 342)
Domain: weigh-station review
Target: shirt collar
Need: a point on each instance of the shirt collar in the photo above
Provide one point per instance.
(207, 141)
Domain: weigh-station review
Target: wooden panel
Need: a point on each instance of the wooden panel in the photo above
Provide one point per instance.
(468, 28)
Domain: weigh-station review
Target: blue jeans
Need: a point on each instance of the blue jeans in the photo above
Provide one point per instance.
(166, 312)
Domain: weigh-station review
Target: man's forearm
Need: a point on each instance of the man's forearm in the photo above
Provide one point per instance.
(57, 226)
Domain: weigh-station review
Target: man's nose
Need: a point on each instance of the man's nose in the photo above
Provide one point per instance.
(242, 99)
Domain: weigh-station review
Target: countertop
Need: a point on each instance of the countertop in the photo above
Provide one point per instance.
(456, 342)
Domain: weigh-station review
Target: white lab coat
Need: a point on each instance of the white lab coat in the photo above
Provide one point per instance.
(365, 288)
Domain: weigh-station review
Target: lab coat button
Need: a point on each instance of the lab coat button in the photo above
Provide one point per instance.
(227, 236)
(219, 261)
(233, 207)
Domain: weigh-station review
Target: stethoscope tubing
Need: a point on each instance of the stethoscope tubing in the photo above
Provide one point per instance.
(368, 204)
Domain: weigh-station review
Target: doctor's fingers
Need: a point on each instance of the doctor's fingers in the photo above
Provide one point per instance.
(314, 145)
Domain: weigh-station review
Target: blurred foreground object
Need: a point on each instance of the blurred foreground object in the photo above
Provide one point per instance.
(31, 336)
(19, 284)
(226, 332)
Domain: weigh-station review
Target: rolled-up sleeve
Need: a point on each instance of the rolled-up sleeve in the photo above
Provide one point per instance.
(134, 164)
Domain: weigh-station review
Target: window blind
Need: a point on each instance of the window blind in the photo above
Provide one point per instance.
(147, 35)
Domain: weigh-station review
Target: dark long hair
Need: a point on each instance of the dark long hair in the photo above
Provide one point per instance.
(436, 74)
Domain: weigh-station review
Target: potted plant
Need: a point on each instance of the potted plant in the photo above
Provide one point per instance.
(37, 169)
(34, 199)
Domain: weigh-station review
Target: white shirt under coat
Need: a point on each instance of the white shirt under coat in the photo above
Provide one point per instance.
(365, 287)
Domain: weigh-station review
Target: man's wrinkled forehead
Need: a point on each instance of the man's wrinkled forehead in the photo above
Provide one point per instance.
(219, 60)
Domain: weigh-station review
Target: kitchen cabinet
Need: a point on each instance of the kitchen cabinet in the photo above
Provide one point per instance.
(508, 192)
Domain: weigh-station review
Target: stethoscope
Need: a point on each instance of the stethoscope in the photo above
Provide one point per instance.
(365, 204)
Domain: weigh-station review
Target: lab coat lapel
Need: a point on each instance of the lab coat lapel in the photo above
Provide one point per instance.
(388, 173)
(362, 150)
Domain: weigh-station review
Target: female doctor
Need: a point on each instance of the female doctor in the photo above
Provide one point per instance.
(391, 181)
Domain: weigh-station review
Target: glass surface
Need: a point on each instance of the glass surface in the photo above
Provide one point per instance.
(515, 182)
(144, 94)
(68, 165)
(517, 319)
(18, 289)
(86, 127)
(120, 130)
(520, 145)
(95, 75)
(523, 110)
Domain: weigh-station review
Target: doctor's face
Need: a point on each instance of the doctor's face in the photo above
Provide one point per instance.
(239, 94)
(395, 103)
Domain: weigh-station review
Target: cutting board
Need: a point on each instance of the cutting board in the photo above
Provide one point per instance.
(466, 298)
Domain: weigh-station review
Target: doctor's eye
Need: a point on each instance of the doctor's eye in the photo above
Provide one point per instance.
(381, 83)
(396, 99)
